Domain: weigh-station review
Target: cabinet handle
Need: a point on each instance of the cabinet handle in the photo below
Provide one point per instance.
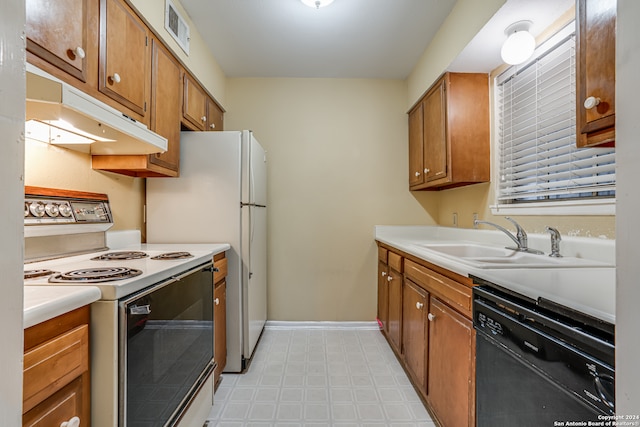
(431, 317)
(417, 173)
(419, 305)
(116, 78)
(212, 125)
(591, 102)
(427, 170)
(79, 52)
(203, 118)
(73, 422)
(389, 279)
(217, 301)
(384, 273)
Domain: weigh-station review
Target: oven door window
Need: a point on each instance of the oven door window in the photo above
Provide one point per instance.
(169, 346)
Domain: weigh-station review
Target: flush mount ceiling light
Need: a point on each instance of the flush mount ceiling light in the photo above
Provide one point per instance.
(520, 43)
(317, 4)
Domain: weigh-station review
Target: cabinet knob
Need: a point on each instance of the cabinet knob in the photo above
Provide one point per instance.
(73, 422)
(384, 273)
(389, 279)
(417, 173)
(79, 52)
(591, 102)
(431, 317)
(212, 125)
(116, 78)
(217, 301)
(426, 170)
(203, 118)
(419, 305)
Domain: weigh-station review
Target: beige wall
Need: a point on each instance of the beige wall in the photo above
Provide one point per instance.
(55, 167)
(337, 156)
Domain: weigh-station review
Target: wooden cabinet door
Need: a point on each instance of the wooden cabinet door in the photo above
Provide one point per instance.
(394, 319)
(383, 295)
(220, 328)
(451, 366)
(124, 56)
(415, 302)
(194, 104)
(57, 33)
(595, 72)
(67, 403)
(215, 116)
(435, 140)
(416, 145)
(166, 88)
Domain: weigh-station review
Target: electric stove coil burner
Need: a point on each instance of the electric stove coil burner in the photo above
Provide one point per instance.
(32, 274)
(173, 255)
(95, 275)
(120, 256)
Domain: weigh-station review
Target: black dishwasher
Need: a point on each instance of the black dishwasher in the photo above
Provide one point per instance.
(539, 363)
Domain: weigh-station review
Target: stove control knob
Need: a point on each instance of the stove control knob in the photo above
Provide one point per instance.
(65, 210)
(26, 209)
(52, 210)
(37, 209)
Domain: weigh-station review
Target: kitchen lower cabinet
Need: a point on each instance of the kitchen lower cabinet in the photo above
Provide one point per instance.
(219, 316)
(56, 378)
(415, 336)
(383, 295)
(451, 383)
(431, 331)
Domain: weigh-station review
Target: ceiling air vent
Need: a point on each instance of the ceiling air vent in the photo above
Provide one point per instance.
(176, 25)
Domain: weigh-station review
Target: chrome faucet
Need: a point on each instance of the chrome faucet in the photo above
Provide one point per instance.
(521, 240)
(555, 242)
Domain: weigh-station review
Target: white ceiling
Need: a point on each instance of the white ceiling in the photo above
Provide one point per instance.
(349, 38)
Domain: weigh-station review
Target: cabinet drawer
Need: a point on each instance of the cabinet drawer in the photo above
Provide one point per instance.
(221, 266)
(382, 254)
(395, 261)
(62, 406)
(452, 292)
(54, 364)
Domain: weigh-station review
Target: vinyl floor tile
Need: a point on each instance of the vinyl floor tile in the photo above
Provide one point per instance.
(316, 378)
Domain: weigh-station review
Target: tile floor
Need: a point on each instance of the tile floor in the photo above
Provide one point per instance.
(319, 377)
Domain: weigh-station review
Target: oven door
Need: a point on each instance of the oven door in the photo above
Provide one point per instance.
(166, 347)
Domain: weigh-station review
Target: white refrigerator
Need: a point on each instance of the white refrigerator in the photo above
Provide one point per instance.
(221, 196)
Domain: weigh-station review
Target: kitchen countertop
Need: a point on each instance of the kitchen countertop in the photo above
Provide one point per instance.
(590, 290)
(42, 303)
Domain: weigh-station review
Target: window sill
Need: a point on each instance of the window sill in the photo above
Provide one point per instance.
(570, 208)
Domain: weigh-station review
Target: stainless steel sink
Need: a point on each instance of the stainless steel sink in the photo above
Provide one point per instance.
(487, 256)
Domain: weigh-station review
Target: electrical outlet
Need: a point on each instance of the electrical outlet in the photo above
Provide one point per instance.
(455, 219)
(475, 217)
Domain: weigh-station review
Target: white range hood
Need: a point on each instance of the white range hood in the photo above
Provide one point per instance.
(61, 115)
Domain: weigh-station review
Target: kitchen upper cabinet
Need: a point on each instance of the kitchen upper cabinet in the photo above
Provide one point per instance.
(124, 57)
(165, 112)
(415, 332)
(449, 133)
(194, 104)
(451, 382)
(215, 116)
(595, 71)
(59, 33)
(56, 385)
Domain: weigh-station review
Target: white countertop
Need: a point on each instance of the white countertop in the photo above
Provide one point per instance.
(590, 290)
(42, 303)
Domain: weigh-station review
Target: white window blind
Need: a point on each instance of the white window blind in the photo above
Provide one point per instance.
(538, 158)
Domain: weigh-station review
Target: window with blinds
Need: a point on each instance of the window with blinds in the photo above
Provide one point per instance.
(538, 159)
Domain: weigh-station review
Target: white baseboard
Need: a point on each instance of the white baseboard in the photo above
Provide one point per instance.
(289, 325)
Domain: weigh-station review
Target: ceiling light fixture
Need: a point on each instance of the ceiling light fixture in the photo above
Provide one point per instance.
(317, 4)
(520, 43)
